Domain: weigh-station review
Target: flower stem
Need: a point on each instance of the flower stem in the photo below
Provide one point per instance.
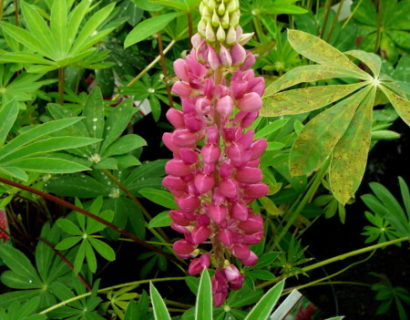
(61, 74)
(16, 12)
(328, 7)
(118, 286)
(190, 25)
(352, 14)
(335, 21)
(110, 225)
(1, 9)
(164, 70)
(335, 259)
(379, 26)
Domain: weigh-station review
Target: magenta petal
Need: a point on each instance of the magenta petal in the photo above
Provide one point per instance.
(176, 118)
(174, 184)
(183, 248)
(181, 69)
(178, 168)
(240, 211)
(253, 224)
(204, 183)
(179, 217)
(238, 54)
(217, 213)
(201, 234)
(199, 264)
(225, 57)
(250, 102)
(210, 153)
(228, 188)
(256, 190)
(258, 147)
(188, 203)
(225, 106)
(184, 138)
(189, 156)
(249, 175)
(182, 89)
(226, 237)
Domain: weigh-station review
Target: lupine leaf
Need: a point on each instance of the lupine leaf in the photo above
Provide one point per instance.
(58, 25)
(158, 304)
(319, 51)
(160, 220)
(401, 105)
(103, 249)
(124, 145)
(203, 306)
(350, 154)
(48, 165)
(263, 309)
(372, 60)
(306, 99)
(161, 197)
(148, 27)
(321, 134)
(8, 115)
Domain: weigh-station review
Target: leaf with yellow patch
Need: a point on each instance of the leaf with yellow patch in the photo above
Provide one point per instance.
(401, 105)
(303, 100)
(321, 134)
(318, 50)
(350, 154)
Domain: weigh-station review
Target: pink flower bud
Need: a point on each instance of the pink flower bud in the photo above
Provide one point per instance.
(176, 118)
(238, 87)
(226, 237)
(178, 228)
(240, 211)
(203, 106)
(178, 168)
(232, 273)
(204, 183)
(188, 203)
(249, 175)
(257, 85)
(253, 224)
(209, 168)
(174, 184)
(249, 119)
(4, 226)
(256, 190)
(246, 139)
(250, 102)
(201, 234)
(181, 69)
(179, 217)
(228, 188)
(183, 248)
(225, 57)
(189, 156)
(238, 53)
(243, 253)
(167, 139)
(182, 89)
(225, 170)
(192, 123)
(183, 138)
(225, 106)
(217, 213)
(251, 239)
(235, 153)
(210, 153)
(213, 58)
(258, 147)
(199, 264)
(212, 133)
(249, 61)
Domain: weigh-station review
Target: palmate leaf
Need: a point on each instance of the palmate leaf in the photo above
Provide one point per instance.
(343, 131)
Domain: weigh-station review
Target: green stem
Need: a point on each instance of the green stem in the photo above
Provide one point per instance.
(1, 9)
(352, 14)
(336, 20)
(190, 25)
(61, 75)
(328, 7)
(327, 283)
(379, 26)
(108, 224)
(16, 12)
(118, 286)
(164, 70)
(334, 259)
(148, 67)
(294, 213)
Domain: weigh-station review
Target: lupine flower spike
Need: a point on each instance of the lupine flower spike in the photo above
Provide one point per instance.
(4, 228)
(214, 174)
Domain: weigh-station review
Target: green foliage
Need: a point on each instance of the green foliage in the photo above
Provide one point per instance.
(388, 295)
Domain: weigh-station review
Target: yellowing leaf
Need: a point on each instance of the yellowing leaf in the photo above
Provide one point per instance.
(350, 154)
(310, 73)
(306, 99)
(401, 105)
(371, 60)
(320, 135)
(318, 50)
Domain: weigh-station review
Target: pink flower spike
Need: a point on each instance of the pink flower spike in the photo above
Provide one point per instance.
(201, 234)
(254, 238)
(240, 211)
(174, 184)
(176, 118)
(243, 253)
(228, 188)
(225, 57)
(258, 147)
(210, 153)
(192, 123)
(250, 102)
(179, 217)
(252, 225)
(257, 190)
(213, 58)
(212, 133)
(167, 140)
(226, 237)
(249, 175)
(184, 138)
(249, 119)
(188, 203)
(183, 248)
(204, 183)
(4, 226)
(181, 69)
(217, 213)
(249, 61)
(199, 264)
(189, 156)
(182, 89)
(178, 168)
(225, 106)
(238, 54)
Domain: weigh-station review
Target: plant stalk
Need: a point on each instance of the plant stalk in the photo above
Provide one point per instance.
(190, 26)
(379, 26)
(118, 286)
(328, 7)
(336, 20)
(108, 224)
(61, 75)
(334, 259)
(1, 9)
(16, 12)
(164, 70)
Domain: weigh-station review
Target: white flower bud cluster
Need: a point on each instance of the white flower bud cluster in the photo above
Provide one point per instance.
(219, 20)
